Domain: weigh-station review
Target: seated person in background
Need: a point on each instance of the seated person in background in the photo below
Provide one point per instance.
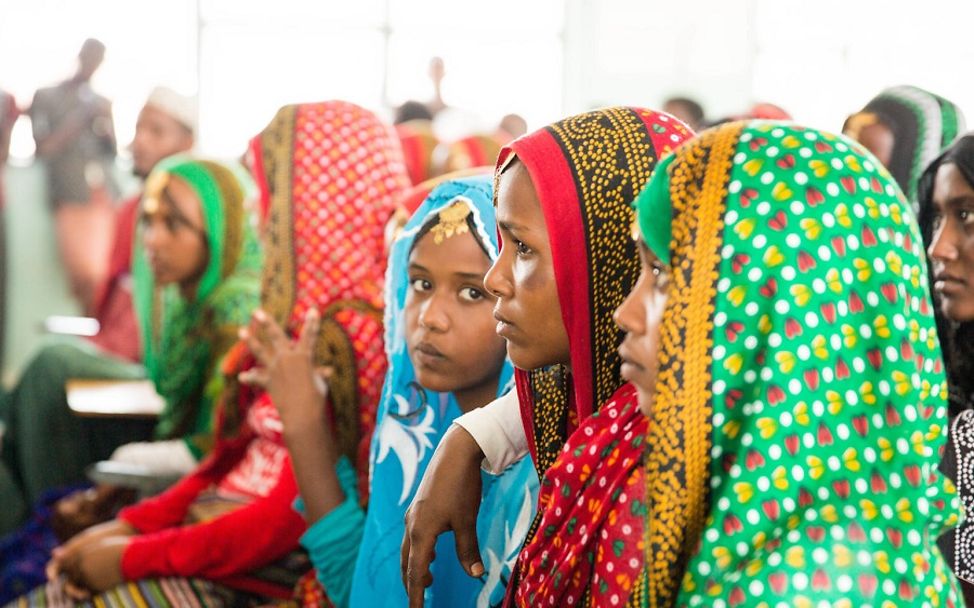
(687, 110)
(233, 516)
(514, 126)
(166, 126)
(479, 150)
(906, 127)
(414, 126)
(196, 281)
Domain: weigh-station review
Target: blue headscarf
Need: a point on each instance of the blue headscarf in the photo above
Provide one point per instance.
(410, 423)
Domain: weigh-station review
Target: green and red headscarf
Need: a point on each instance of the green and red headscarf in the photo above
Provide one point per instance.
(800, 411)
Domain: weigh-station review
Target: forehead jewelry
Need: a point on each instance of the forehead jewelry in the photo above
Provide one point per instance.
(453, 220)
(154, 186)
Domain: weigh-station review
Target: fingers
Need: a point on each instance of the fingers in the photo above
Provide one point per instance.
(53, 567)
(309, 330)
(255, 376)
(254, 345)
(468, 549)
(269, 332)
(76, 591)
(417, 554)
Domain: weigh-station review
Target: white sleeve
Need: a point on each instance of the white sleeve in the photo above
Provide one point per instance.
(170, 457)
(497, 429)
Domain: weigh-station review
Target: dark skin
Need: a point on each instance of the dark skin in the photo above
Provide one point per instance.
(174, 237)
(529, 318)
(952, 248)
(91, 562)
(878, 139)
(448, 310)
(446, 281)
(157, 135)
(640, 316)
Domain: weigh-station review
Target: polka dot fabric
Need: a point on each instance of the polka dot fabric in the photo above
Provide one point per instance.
(588, 549)
(826, 393)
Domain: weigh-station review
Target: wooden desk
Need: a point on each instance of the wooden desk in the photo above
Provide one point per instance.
(114, 398)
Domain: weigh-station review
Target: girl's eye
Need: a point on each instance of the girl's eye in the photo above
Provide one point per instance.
(521, 248)
(420, 285)
(471, 294)
(966, 216)
(936, 221)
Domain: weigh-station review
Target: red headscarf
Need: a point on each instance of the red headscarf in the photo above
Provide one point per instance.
(587, 171)
(330, 175)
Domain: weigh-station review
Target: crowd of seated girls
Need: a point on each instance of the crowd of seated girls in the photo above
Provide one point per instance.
(610, 362)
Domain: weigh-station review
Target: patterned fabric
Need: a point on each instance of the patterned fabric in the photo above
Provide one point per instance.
(800, 408)
(587, 170)
(183, 341)
(962, 447)
(329, 176)
(593, 504)
(418, 143)
(256, 474)
(922, 123)
(149, 593)
(411, 423)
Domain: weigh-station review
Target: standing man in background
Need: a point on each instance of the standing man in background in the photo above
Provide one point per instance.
(75, 137)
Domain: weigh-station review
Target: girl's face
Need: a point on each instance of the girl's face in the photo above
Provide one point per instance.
(952, 247)
(522, 279)
(174, 235)
(640, 316)
(449, 326)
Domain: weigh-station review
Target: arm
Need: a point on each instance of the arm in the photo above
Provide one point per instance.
(497, 429)
(448, 498)
(287, 371)
(235, 543)
(169, 508)
(333, 541)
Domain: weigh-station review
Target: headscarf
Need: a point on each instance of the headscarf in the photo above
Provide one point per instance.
(957, 341)
(411, 423)
(329, 175)
(922, 123)
(800, 408)
(587, 170)
(418, 143)
(184, 340)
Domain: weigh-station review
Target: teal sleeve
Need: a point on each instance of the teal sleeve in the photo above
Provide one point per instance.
(333, 541)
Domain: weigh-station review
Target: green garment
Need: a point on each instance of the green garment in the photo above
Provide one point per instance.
(44, 444)
(801, 403)
(185, 340)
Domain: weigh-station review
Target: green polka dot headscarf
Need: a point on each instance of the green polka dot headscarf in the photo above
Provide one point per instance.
(801, 405)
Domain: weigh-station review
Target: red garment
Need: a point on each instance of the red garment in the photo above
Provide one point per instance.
(587, 170)
(119, 332)
(332, 174)
(418, 144)
(593, 503)
(473, 151)
(251, 536)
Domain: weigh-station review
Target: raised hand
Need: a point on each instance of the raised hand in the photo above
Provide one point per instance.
(286, 367)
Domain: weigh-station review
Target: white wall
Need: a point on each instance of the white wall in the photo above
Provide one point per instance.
(819, 60)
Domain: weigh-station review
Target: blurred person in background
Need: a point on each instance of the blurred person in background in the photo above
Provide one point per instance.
(75, 137)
